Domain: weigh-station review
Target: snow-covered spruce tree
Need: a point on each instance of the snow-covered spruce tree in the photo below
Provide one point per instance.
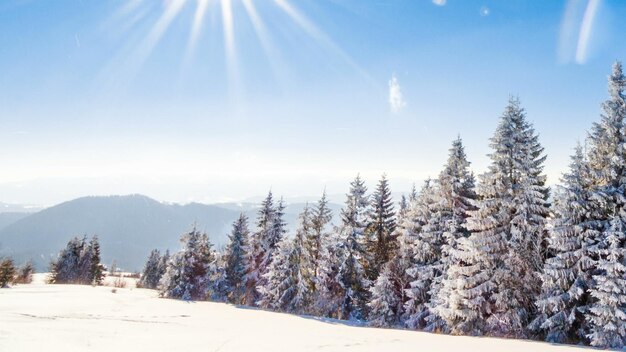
(305, 264)
(607, 140)
(218, 290)
(286, 288)
(424, 239)
(234, 259)
(413, 195)
(497, 280)
(262, 246)
(607, 314)
(151, 274)
(455, 194)
(165, 259)
(330, 293)
(566, 275)
(381, 225)
(385, 302)
(354, 218)
(315, 234)
(96, 268)
(349, 256)
(403, 208)
(279, 288)
(389, 292)
(78, 263)
(188, 273)
(607, 159)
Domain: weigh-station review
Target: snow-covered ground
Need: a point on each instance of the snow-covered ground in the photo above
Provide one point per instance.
(83, 318)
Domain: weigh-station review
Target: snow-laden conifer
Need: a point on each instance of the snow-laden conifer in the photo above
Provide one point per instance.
(566, 275)
(425, 243)
(262, 246)
(234, 259)
(315, 231)
(607, 314)
(498, 264)
(188, 274)
(151, 274)
(380, 228)
(389, 291)
(454, 196)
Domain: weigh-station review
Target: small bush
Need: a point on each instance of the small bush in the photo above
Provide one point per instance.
(25, 274)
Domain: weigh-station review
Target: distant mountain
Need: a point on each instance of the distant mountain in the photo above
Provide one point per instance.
(9, 218)
(128, 227)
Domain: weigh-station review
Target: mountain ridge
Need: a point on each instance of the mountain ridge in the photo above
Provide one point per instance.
(128, 226)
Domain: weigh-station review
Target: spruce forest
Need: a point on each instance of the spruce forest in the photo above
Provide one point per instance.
(498, 254)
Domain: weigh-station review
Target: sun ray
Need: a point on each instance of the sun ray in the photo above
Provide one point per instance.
(173, 7)
(230, 50)
(198, 20)
(317, 34)
(276, 62)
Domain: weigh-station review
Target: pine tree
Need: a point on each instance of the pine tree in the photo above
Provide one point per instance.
(607, 204)
(413, 195)
(403, 208)
(96, 269)
(607, 138)
(385, 301)
(305, 265)
(285, 288)
(352, 276)
(380, 228)
(151, 274)
(234, 259)
(189, 271)
(165, 259)
(425, 242)
(566, 274)
(279, 289)
(496, 274)
(330, 292)
(342, 279)
(315, 235)
(78, 263)
(219, 289)
(84, 266)
(263, 245)
(390, 291)
(607, 315)
(7, 272)
(454, 197)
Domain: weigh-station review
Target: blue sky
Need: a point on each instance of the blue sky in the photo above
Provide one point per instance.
(131, 96)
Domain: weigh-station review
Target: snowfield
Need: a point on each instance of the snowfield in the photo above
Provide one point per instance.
(83, 318)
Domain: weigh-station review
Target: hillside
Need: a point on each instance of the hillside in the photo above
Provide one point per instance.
(81, 318)
(128, 227)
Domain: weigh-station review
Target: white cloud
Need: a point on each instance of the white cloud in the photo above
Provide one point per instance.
(396, 99)
(439, 2)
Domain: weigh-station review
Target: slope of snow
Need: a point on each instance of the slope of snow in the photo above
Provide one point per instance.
(80, 318)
